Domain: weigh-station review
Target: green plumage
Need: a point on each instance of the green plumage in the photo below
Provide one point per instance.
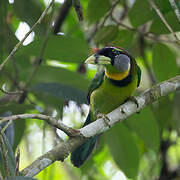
(106, 94)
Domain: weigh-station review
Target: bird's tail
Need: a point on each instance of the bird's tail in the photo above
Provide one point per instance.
(81, 153)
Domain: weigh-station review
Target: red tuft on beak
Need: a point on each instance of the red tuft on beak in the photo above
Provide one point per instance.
(94, 50)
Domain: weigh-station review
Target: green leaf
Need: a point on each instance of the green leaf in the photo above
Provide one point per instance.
(20, 178)
(60, 91)
(24, 65)
(72, 27)
(15, 108)
(19, 127)
(164, 62)
(124, 38)
(7, 36)
(176, 112)
(62, 48)
(10, 39)
(164, 112)
(46, 74)
(140, 13)
(30, 15)
(106, 34)
(164, 6)
(158, 26)
(123, 149)
(11, 162)
(3, 4)
(146, 127)
(97, 9)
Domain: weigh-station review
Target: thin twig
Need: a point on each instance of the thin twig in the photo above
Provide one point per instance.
(17, 161)
(98, 26)
(147, 35)
(122, 24)
(109, 13)
(157, 39)
(39, 60)
(53, 122)
(19, 44)
(124, 11)
(154, 6)
(5, 127)
(1, 177)
(7, 92)
(61, 151)
(176, 10)
(4, 156)
(11, 78)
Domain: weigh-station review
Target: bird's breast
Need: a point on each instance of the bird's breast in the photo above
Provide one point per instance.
(108, 96)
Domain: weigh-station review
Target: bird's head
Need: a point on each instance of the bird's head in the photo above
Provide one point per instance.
(114, 59)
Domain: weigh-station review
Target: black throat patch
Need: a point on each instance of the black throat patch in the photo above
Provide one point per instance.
(121, 83)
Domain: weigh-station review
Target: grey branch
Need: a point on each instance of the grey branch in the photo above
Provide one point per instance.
(19, 44)
(62, 150)
(52, 121)
(154, 6)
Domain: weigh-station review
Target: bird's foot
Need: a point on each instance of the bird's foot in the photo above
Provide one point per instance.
(106, 119)
(133, 99)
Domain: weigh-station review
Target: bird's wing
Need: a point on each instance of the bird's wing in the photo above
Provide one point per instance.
(139, 75)
(95, 83)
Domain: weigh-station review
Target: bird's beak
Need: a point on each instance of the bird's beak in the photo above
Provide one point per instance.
(98, 59)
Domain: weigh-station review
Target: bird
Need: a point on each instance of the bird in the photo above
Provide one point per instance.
(109, 88)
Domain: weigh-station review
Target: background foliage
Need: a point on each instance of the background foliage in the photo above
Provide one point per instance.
(49, 70)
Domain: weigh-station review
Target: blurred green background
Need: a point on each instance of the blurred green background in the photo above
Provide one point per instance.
(49, 70)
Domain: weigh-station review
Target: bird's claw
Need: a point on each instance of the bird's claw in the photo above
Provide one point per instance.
(106, 119)
(133, 99)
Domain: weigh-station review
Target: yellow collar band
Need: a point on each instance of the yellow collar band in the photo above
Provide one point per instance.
(117, 76)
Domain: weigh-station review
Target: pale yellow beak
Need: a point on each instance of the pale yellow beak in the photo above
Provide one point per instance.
(101, 60)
